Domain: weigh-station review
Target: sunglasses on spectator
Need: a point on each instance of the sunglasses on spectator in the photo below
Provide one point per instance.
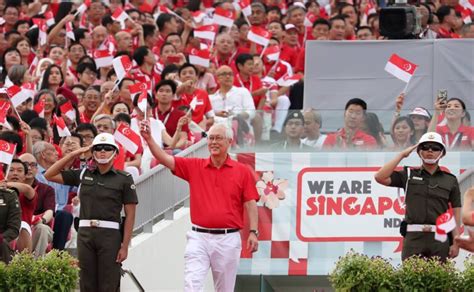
(106, 148)
(433, 147)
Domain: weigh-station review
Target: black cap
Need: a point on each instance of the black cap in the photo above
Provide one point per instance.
(294, 115)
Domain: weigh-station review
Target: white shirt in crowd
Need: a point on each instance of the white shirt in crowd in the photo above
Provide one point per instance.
(318, 143)
(156, 127)
(236, 100)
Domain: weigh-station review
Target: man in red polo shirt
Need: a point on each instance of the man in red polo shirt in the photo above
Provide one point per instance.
(351, 136)
(220, 188)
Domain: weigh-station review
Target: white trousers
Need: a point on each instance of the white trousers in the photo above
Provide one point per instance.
(220, 252)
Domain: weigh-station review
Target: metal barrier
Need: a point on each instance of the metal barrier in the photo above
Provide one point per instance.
(159, 191)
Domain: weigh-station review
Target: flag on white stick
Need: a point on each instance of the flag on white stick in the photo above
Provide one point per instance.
(63, 131)
(198, 16)
(68, 110)
(122, 65)
(70, 31)
(224, 17)
(466, 15)
(245, 7)
(4, 107)
(287, 80)
(309, 19)
(130, 140)
(39, 107)
(7, 151)
(40, 23)
(207, 32)
(200, 57)
(272, 53)
(49, 18)
(119, 15)
(143, 101)
(259, 35)
(103, 58)
(83, 7)
(17, 95)
(400, 68)
(445, 223)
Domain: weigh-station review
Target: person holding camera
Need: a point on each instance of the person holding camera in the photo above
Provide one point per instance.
(103, 192)
(429, 192)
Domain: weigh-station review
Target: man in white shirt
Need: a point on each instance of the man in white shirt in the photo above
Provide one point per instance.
(312, 129)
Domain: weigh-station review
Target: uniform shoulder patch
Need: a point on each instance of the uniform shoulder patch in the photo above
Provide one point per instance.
(123, 172)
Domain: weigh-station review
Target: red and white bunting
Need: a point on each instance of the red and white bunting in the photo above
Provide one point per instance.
(122, 65)
(39, 107)
(207, 32)
(70, 31)
(200, 57)
(259, 35)
(63, 131)
(272, 53)
(7, 151)
(286, 80)
(68, 110)
(224, 17)
(466, 15)
(119, 15)
(400, 68)
(245, 7)
(49, 18)
(17, 95)
(130, 140)
(103, 58)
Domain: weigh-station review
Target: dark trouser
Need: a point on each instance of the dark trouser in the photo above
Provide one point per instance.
(61, 228)
(5, 253)
(97, 251)
(424, 245)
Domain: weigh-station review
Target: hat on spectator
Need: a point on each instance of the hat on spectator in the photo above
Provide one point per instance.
(299, 4)
(297, 115)
(290, 26)
(67, 93)
(419, 111)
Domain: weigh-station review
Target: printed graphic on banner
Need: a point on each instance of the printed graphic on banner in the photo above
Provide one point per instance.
(337, 204)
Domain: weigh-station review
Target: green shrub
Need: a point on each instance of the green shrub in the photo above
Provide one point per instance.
(467, 277)
(20, 275)
(3, 276)
(357, 272)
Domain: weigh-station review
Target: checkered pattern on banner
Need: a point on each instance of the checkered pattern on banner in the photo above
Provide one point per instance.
(280, 251)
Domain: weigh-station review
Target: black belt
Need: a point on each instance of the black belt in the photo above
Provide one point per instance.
(215, 231)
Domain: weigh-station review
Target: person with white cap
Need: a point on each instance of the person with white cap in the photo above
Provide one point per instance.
(103, 191)
(421, 118)
(429, 192)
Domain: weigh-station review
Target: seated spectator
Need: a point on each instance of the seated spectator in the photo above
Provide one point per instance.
(293, 130)
(120, 107)
(421, 120)
(364, 33)
(374, 128)
(351, 136)
(403, 133)
(312, 129)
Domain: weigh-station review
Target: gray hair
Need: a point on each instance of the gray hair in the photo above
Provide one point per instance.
(104, 117)
(229, 134)
(16, 74)
(39, 147)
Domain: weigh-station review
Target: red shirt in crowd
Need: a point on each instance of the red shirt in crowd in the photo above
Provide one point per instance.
(253, 84)
(203, 105)
(289, 54)
(359, 140)
(27, 207)
(463, 138)
(217, 194)
(170, 119)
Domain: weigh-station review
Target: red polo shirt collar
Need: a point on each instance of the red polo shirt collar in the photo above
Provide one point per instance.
(228, 162)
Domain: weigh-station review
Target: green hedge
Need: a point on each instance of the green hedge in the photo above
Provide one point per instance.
(56, 271)
(357, 272)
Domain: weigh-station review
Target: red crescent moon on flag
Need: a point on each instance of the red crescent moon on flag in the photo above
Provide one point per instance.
(126, 131)
(407, 67)
(6, 147)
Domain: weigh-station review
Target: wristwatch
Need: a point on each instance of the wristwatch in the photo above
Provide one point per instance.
(254, 231)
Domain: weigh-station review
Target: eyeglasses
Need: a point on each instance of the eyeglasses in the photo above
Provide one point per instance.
(225, 74)
(215, 138)
(433, 147)
(106, 148)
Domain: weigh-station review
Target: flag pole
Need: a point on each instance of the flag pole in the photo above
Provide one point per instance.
(263, 50)
(8, 167)
(406, 88)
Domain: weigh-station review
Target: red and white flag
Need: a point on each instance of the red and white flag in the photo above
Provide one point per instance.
(122, 66)
(7, 151)
(119, 15)
(33, 65)
(84, 6)
(207, 32)
(29, 88)
(198, 16)
(63, 131)
(194, 103)
(400, 68)
(17, 95)
(68, 110)
(2, 21)
(370, 8)
(469, 4)
(287, 80)
(103, 58)
(40, 23)
(70, 31)
(4, 107)
(272, 53)
(49, 18)
(138, 87)
(224, 17)
(445, 223)
(309, 19)
(130, 140)
(39, 107)
(200, 57)
(466, 15)
(259, 35)
(83, 21)
(245, 7)
(142, 102)
(165, 9)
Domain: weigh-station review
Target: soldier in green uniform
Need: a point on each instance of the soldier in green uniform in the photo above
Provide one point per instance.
(103, 191)
(428, 193)
(10, 221)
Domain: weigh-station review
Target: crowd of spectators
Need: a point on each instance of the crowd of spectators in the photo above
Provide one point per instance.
(50, 49)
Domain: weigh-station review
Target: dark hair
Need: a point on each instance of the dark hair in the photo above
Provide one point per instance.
(139, 54)
(241, 59)
(45, 91)
(188, 65)
(74, 107)
(162, 20)
(21, 39)
(165, 45)
(148, 30)
(14, 138)
(4, 72)
(76, 135)
(149, 99)
(279, 22)
(122, 81)
(47, 72)
(442, 12)
(241, 22)
(39, 123)
(171, 68)
(337, 17)
(463, 105)
(80, 33)
(321, 21)
(86, 65)
(356, 101)
(78, 85)
(365, 27)
(20, 22)
(40, 131)
(87, 59)
(78, 44)
(14, 122)
(122, 117)
(274, 8)
(11, 32)
(25, 166)
(172, 34)
(165, 82)
(344, 5)
(374, 127)
(410, 124)
(117, 103)
(86, 127)
(106, 20)
(28, 115)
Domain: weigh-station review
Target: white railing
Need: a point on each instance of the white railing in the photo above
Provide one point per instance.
(159, 191)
